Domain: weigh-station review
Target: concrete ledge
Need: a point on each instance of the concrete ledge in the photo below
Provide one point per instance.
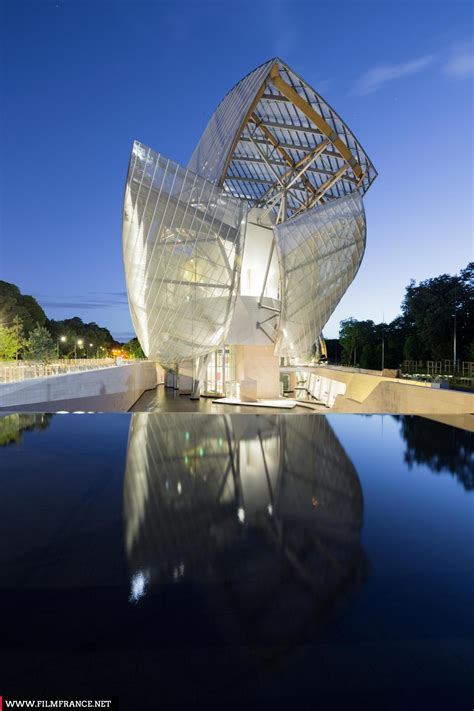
(367, 393)
(408, 399)
(372, 394)
(113, 389)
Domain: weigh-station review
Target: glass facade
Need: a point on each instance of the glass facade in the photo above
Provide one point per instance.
(220, 370)
(266, 125)
(320, 252)
(276, 148)
(182, 242)
(210, 154)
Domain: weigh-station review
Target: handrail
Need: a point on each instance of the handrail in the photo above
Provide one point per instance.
(29, 370)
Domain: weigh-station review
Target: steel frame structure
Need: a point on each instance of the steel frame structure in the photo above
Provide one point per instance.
(275, 144)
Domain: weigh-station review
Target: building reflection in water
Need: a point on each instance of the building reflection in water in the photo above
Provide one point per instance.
(269, 508)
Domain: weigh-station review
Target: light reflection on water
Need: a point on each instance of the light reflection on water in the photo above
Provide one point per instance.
(254, 558)
(246, 502)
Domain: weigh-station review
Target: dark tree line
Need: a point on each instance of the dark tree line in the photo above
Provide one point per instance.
(439, 446)
(14, 304)
(431, 313)
(26, 331)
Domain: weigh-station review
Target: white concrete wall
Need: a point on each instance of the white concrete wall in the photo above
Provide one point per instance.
(186, 377)
(259, 364)
(347, 390)
(243, 327)
(113, 389)
(258, 242)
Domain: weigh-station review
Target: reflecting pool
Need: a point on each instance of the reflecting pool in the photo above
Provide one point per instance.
(229, 561)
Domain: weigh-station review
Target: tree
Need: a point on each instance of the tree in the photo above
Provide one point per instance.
(394, 335)
(333, 348)
(433, 310)
(361, 343)
(11, 340)
(15, 304)
(40, 346)
(74, 329)
(348, 339)
(134, 349)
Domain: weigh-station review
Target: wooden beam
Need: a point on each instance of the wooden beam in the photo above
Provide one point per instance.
(308, 158)
(296, 147)
(322, 190)
(238, 134)
(311, 169)
(274, 141)
(315, 118)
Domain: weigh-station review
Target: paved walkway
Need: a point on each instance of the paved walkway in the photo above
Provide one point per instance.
(163, 399)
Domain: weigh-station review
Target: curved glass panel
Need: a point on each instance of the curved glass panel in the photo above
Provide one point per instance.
(273, 130)
(182, 243)
(210, 154)
(320, 253)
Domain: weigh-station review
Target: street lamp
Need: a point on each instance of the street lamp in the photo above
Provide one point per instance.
(79, 343)
(63, 339)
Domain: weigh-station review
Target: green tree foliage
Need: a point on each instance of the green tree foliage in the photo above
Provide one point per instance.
(16, 307)
(74, 329)
(430, 310)
(15, 304)
(425, 329)
(11, 340)
(361, 343)
(134, 349)
(40, 346)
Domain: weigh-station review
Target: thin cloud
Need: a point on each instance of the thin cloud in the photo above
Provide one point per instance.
(123, 336)
(378, 77)
(94, 300)
(460, 64)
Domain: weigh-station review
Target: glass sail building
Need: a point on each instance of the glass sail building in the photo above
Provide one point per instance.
(253, 244)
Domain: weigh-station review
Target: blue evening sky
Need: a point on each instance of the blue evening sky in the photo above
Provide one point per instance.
(81, 79)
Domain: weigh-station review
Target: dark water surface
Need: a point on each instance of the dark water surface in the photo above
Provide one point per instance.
(238, 561)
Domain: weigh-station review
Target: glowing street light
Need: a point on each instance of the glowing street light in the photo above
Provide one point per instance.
(63, 339)
(79, 343)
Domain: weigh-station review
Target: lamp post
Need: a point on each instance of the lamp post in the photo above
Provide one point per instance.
(383, 342)
(61, 339)
(79, 343)
(454, 344)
